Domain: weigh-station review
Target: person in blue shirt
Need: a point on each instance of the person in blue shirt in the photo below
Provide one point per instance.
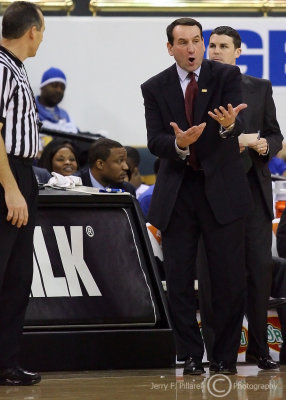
(277, 166)
(146, 197)
(53, 117)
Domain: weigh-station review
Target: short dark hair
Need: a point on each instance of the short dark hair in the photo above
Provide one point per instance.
(133, 156)
(45, 161)
(100, 149)
(182, 21)
(228, 31)
(19, 17)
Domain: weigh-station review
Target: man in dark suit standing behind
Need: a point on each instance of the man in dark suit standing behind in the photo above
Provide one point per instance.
(201, 188)
(260, 116)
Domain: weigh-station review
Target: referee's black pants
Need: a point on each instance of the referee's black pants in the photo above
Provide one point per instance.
(16, 264)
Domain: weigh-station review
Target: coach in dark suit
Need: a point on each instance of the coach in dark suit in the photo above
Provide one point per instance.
(203, 192)
(260, 116)
(107, 166)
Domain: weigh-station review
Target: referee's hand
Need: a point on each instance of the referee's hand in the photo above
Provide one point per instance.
(17, 208)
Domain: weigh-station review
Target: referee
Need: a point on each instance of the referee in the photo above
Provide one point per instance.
(22, 32)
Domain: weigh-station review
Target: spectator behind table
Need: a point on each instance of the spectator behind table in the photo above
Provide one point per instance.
(53, 85)
(133, 161)
(277, 166)
(55, 118)
(145, 198)
(59, 156)
(107, 166)
(282, 152)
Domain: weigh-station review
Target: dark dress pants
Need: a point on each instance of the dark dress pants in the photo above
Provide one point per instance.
(279, 290)
(16, 266)
(258, 241)
(191, 217)
(259, 270)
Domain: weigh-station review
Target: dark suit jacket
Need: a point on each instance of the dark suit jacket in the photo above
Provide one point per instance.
(261, 115)
(86, 181)
(42, 174)
(281, 236)
(226, 184)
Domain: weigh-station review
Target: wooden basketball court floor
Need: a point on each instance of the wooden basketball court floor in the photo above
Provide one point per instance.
(167, 384)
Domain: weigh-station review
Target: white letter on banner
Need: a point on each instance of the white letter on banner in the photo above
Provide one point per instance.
(37, 287)
(73, 261)
(55, 287)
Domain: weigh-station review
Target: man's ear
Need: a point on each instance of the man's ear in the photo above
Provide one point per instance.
(237, 52)
(99, 164)
(170, 47)
(31, 31)
(135, 171)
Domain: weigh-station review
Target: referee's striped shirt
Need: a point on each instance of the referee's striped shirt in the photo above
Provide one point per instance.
(18, 111)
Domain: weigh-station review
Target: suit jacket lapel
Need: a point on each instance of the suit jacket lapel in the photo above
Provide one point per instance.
(174, 96)
(86, 178)
(247, 87)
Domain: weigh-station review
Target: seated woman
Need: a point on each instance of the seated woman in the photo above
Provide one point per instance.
(59, 156)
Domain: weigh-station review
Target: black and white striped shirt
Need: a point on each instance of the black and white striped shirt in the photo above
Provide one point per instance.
(18, 111)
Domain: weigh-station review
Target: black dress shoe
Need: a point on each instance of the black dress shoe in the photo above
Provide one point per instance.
(225, 369)
(282, 355)
(276, 302)
(213, 367)
(18, 377)
(193, 367)
(263, 362)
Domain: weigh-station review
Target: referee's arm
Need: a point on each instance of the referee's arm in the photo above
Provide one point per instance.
(15, 202)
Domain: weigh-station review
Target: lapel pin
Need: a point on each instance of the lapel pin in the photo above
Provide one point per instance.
(204, 90)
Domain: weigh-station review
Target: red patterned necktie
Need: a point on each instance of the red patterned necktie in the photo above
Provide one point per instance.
(190, 95)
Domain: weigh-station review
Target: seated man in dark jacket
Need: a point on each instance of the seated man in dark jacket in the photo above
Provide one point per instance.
(107, 166)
